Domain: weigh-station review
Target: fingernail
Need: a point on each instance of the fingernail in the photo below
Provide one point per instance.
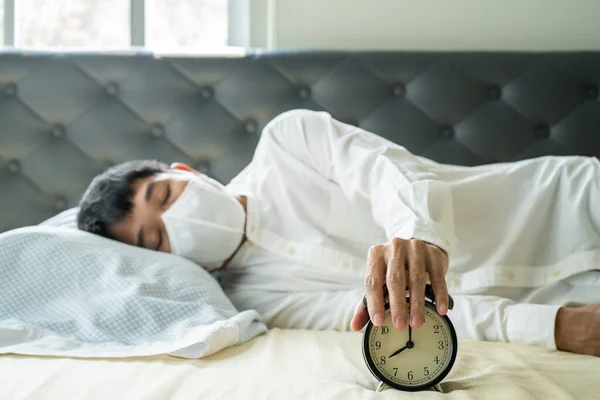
(378, 320)
(443, 309)
(400, 323)
(416, 320)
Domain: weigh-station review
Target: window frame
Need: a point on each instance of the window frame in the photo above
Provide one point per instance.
(238, 21)
(9, 23)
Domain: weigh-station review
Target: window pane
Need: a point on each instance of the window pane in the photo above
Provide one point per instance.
(74, 23)
(189, 23)
(1, 22)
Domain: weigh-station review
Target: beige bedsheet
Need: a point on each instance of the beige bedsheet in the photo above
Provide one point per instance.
(299, 365)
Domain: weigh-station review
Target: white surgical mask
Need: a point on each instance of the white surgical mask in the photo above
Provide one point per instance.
(205, 224)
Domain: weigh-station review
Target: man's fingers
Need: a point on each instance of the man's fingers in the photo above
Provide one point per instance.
(437, 267)
(361, 317)
(374, 284)
(401, 264)
(416, 283)
(396, 284)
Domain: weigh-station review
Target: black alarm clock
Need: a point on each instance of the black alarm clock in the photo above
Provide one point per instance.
(411, 359)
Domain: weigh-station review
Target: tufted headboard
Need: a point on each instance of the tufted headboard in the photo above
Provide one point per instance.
(65, 117)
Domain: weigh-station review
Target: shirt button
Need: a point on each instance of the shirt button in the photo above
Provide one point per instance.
(556, 272)
(510, 276)
(291, 250)
(344, 263)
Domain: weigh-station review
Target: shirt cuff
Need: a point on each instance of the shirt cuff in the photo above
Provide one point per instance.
(429, 232)
(532, 324)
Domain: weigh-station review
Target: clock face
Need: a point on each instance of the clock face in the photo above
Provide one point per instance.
(411, 359)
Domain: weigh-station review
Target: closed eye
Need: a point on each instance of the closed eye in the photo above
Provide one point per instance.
(167, 194)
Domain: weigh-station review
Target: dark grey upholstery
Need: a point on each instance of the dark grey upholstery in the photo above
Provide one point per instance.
(64, 118)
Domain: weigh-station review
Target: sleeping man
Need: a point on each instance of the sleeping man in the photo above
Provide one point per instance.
(327, 212)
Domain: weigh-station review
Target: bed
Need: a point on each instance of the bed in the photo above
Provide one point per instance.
(65, 117)
(294, 364)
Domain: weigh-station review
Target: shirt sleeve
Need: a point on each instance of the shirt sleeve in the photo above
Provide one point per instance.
(483, 318)
(407, 200)
(495, 319)
(315, 310)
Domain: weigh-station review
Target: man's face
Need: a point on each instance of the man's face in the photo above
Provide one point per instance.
(152, 196)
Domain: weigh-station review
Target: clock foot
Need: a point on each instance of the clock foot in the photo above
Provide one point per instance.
(381, 387)
(437, 388)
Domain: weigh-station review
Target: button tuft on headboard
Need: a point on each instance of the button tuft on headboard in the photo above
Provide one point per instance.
(111, 89)
(591, 91)
(59, 131)
(203, 167)
(157, 131)
(61, 203)
(251, 126)
(304, 92)
(10, 89)
(13, 166)
(542, 131)
(447, 132)
(398, 90)
(207, 92)
(495, 92)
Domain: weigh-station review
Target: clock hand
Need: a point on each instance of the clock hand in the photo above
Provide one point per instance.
(409, 345)
(398, 352)
(409, 333)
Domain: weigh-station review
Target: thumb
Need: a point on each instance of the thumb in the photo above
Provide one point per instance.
(361, 317)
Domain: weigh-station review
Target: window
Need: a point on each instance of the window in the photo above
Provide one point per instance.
(177, 23)
(68, 23)
(118, 24)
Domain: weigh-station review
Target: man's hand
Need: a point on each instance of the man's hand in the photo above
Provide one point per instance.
(578, 330)
(400, 264)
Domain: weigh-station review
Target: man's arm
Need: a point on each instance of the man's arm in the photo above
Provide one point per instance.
(483, 318)
(495, 319)
(408, 201)
(317, 310)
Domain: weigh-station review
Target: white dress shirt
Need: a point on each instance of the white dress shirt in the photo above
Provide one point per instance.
(321, 192)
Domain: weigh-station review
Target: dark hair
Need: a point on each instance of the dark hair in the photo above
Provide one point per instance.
(108, 199)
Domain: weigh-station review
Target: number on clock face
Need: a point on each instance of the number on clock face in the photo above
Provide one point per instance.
(430, 354)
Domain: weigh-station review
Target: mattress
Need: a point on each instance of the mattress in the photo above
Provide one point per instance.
(296, 364)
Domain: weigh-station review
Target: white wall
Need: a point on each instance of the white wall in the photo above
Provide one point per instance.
(426, 24)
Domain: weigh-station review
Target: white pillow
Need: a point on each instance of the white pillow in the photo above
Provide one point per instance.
(66, 219)
(64, 292)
